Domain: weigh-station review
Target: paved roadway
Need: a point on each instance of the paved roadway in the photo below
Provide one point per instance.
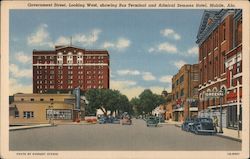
(117, 137)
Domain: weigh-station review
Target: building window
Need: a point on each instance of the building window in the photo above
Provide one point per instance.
(22, 99)
(32, 99)
(51, 99)
(182, 92)
(16, 114)
(181, 79)
(41, 99)
(177, 95)
(195, 77)
(239, 32)
(238, 67)
(28, 114)
(177, 82)
(224, 31)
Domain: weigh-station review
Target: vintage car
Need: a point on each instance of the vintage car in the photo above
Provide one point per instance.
(126, 120)
(187, 124)
(203, 126)
(152, 121)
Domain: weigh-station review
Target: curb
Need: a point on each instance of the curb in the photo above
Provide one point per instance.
(177, 125)
(29, 127)
(228, 137)
(76, 123)
(220, 135)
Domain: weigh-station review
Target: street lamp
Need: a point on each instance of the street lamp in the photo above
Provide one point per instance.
(221, 96)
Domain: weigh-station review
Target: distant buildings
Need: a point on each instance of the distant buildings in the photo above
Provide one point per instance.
(68, 67)
(185, 92)
(220, 63)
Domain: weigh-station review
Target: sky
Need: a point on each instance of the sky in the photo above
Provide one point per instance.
(146, 47)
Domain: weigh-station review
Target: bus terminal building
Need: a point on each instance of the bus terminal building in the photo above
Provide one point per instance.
(35, 108)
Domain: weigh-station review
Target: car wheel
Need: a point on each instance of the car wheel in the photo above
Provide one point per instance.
(196, 131)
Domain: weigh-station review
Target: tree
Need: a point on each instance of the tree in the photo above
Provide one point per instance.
(147, 101)
(107, 100)
(135, 102)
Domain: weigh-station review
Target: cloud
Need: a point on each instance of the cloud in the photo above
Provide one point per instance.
(123, 43)
(179, 63)
(166, 79)
(62, 41)
(193, 51)
(164, 48)
(151, 49)
(40, 37)
(20, 73)
(148, 76)
(121, 84)
(128, 72)
(82, 38)
(170, 33)
(23, 58)
(17, 87)
(120, 44)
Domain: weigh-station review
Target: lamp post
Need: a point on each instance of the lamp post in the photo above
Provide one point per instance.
(221, 96)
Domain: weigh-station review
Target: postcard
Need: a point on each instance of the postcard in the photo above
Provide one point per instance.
(125, 79)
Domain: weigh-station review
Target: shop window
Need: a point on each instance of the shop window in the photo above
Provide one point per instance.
(59, 114)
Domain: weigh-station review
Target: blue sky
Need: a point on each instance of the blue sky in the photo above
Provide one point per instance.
(147, 47)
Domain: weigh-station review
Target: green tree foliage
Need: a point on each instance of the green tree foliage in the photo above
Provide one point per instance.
(107, 100)
(146, 102)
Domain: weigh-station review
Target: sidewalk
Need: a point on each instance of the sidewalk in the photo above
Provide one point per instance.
(29, 127)
(47, 125)
(227, 133)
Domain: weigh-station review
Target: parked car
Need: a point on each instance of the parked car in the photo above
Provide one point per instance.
(126, 121)
(160, 119)
(152, 121)
(109, 119)
(203, 126)
(102, 120)
(187, 124)
(116, 121)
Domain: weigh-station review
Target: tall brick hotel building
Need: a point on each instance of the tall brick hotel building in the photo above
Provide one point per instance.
(220, 63)
(68, 67)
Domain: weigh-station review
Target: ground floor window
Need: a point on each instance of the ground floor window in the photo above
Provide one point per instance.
(16, 113)
(59, 114)
(232, 117)
(28, 114)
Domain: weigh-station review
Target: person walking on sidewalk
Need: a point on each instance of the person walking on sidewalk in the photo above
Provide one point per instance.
(215, 122)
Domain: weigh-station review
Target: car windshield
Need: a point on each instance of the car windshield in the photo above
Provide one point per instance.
(205, 120)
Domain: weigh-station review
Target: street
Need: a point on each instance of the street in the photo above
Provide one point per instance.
(117, 137)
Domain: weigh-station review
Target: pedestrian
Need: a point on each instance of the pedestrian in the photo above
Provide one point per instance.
(215, 121)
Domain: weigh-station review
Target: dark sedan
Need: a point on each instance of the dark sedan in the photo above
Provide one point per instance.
(152, 121)
(187, 124)
(203, 126)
